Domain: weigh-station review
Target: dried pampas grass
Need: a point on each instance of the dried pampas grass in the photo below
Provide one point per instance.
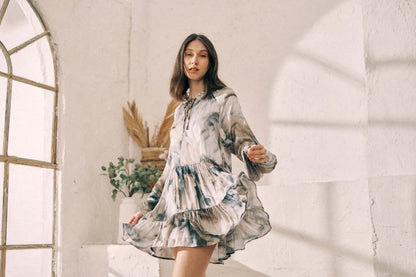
(134, 124)
(162, 138)
(139, 131)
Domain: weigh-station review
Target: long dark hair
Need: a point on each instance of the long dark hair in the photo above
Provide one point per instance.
(179, 81)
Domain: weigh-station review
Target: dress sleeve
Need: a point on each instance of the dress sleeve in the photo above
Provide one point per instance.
(154, 195)
(237, 138)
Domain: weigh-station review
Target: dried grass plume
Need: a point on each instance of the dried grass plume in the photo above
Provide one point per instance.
(139, 131)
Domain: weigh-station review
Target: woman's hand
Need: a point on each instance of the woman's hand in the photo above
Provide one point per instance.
(257, 153)
(135, 218)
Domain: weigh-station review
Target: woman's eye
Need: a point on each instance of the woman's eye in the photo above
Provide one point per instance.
(203, 56)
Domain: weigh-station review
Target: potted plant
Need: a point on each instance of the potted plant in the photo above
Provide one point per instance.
(128, 179)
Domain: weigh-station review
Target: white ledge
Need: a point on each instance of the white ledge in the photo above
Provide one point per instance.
(116, 260)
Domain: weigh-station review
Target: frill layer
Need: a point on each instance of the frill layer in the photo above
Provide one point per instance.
(201, 204)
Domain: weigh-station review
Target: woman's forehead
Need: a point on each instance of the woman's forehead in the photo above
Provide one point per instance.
(196, 45)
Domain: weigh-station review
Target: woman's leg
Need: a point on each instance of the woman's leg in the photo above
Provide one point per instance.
(191, 261)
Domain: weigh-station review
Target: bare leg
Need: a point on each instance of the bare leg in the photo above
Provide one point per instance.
(191, 261)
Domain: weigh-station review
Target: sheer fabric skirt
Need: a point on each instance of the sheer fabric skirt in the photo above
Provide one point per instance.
(201, 204)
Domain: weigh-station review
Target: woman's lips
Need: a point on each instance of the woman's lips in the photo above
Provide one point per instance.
(193, 69)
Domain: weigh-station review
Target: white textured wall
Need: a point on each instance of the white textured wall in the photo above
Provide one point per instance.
(332, 99)
(390, 51)
(318, 197)
(92, 45)
(116, 261)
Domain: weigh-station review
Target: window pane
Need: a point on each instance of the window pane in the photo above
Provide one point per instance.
(35, 62)
(29, 263)
(19, 24)
(31, 120)
(3, 97)
(30, 205)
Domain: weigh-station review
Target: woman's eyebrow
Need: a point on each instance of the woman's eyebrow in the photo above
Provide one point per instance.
(190, 49)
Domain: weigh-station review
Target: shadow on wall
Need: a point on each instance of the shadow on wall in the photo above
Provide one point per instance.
(327, 100)
(337, 250)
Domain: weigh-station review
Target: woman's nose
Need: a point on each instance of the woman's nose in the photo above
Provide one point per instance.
(194, 60)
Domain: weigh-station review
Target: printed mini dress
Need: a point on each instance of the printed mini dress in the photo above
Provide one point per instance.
(197, 201)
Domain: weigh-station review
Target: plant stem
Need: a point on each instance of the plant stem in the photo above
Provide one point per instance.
(128, 182)
(120, 191)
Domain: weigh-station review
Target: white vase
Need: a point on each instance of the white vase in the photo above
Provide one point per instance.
(128, 207)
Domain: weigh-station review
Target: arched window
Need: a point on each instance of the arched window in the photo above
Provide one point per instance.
(28, 117)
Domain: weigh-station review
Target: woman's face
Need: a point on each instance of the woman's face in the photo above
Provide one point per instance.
(196, 60)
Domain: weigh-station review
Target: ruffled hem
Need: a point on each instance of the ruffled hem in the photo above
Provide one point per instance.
(230, 224)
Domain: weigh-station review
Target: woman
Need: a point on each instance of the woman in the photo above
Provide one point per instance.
(198, 212)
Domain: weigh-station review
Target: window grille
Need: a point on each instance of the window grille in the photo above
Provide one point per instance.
(28, 122)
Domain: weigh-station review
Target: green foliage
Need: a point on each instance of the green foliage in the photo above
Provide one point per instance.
(128, 178)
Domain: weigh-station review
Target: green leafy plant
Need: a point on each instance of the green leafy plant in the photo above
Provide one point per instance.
(129, 178)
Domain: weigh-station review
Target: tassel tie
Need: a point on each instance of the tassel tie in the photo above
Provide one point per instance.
(188, 105)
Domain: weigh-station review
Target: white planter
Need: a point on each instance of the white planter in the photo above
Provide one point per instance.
(128, 207)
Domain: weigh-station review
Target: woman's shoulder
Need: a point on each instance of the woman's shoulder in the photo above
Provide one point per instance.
(224, 93)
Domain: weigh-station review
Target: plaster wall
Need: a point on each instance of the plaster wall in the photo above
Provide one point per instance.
(316, 88)
(91, 39)
(318, 116)
(390, 53)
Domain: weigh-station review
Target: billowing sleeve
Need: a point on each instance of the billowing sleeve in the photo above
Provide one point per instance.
(154, 196)
(237, 138)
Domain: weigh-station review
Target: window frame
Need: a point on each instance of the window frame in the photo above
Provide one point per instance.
(7, 160)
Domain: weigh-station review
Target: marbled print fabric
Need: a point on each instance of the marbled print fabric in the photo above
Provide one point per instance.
(197, 201)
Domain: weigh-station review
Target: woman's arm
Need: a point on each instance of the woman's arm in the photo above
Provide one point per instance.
(240, 140)
(156, 192)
